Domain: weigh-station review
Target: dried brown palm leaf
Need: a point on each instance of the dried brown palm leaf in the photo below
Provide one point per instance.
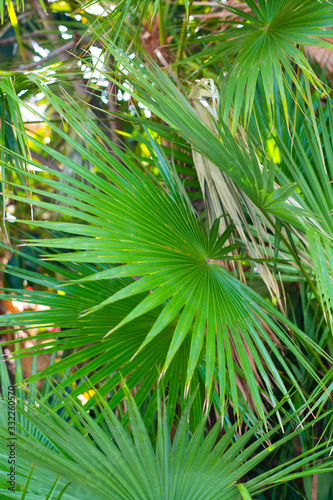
(223, 197)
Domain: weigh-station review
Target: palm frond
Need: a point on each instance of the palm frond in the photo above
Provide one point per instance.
(154, 235)
(267, 43)
(155, 90)
(114, 463)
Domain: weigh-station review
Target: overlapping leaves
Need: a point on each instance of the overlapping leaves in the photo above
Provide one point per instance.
(140, 229)
(268, 45)
(82, 338)
(113, 463)
(153, 88)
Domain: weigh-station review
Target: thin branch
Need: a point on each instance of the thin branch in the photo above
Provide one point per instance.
(77, 40)
(45, 161)
(63, 55)
(13, 39)
(59, 50)
(19, 18)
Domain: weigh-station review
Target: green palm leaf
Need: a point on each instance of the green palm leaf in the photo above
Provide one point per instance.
(84, 339)
(268, 45)
(113, 463)
(239, 161)
(131, 220)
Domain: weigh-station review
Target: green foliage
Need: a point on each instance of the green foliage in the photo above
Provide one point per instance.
(130, 465)
(265, 45)
(177, 261)
(133, 220)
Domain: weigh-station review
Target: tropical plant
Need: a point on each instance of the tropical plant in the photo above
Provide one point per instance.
(131, 465)
(169, 182)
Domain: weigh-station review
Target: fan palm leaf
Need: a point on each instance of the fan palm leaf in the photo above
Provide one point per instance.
(153, 234)
(113, 463)
(267, 44)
